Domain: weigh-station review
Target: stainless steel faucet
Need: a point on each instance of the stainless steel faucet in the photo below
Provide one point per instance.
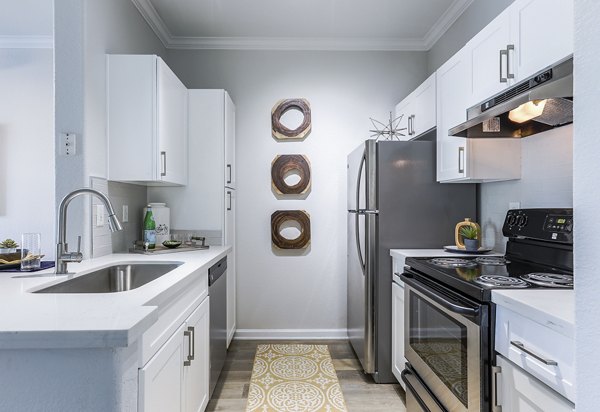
(63, 256)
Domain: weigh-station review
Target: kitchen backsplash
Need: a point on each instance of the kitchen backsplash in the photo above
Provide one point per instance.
(546, 181)
(135, 197)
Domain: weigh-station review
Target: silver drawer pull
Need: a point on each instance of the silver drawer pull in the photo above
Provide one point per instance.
(522, 347)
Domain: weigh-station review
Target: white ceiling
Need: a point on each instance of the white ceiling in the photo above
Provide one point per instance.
(26, 23)
(301, 24)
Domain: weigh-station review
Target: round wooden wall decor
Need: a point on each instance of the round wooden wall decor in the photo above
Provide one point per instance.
(279, 130)
(284, 165)
(282, 216)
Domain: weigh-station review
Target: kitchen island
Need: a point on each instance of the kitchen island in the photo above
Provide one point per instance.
(121, 351)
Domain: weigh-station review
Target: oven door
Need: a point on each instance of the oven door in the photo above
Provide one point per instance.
(443, 343)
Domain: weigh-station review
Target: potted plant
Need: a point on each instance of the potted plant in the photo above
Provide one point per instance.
(470, 235)
(8, 246)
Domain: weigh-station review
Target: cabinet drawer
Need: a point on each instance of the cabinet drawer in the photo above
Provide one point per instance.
(541, 351)
(518, 391)
(172, 316)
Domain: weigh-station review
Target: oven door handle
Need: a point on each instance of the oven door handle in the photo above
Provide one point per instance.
(419, 391)
(439, 298)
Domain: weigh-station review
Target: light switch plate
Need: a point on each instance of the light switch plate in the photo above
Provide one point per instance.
(514, 205)
(99, 215)
(125, 213)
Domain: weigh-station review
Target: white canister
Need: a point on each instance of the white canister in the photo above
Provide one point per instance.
(162, 218)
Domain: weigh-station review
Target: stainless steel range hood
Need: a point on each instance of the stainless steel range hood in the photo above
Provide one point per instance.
(539, 103)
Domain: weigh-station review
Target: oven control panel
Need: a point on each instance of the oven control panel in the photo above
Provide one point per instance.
(542, 224)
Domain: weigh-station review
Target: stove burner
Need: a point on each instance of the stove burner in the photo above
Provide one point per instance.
(492, 260)
(501, 281)
(453, 262)
(553, 280)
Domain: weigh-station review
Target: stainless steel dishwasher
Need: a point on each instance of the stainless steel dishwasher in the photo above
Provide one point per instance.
(217, 290)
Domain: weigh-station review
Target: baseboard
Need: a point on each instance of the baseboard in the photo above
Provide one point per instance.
(291, 334)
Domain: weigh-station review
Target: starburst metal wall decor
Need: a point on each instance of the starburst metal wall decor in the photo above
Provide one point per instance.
(389, 131)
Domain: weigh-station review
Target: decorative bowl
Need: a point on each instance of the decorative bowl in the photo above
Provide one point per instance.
(172, 244)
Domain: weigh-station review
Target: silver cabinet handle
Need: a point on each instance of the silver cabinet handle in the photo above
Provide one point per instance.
(229, 199)
(496, 370)
(509, 48)
(461, 159)
(229, 173)
(188, 334)
(412, 124)
(163, 157)
(503, 53)
(522, 347)
(192, 346)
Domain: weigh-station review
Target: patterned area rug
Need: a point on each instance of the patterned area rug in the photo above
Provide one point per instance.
(294, 378)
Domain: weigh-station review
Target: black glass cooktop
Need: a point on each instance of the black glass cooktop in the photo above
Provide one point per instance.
(477, 276)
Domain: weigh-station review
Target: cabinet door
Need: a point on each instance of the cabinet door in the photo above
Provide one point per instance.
(520, 392)
(229, 142)
(197, 371)
(404, 108)
(398, 332)
(488, 57)
(424, 107)
(542, 32)
(453, 78)
(161, 379)
(229, 239)
(172, 100)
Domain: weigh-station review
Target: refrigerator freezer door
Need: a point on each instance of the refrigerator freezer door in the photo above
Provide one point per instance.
(362, 177)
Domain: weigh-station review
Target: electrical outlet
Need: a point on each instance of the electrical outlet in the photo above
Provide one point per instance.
(99, 215)
(68, 144)
(514, 205)
(125, 213)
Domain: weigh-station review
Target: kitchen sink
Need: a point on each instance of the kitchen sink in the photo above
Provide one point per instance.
(116, 278)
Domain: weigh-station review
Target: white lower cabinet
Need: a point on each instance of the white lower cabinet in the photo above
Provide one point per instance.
(520, 392)
(398, 360)
(176, 377)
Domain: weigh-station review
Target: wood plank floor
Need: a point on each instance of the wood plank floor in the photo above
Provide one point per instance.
(360, 392)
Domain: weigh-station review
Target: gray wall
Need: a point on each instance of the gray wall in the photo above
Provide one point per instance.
(305, 292)
(587, 201)
(475, 18)
(85, 31)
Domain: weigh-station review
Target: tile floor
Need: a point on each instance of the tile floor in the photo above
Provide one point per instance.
(360, 392)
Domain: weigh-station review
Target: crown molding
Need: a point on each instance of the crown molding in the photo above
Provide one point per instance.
(155, 22)
(445, 21)
(294, 43)
(170, 41)
(26, 42)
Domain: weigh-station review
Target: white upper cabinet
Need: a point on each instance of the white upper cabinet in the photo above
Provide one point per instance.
(461, 160)
(147, 121)
(542, 34)
(453, 79)
(418, 109)
(487, 55)
(229, 130)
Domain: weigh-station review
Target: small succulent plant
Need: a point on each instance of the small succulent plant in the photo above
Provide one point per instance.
(469, 232)
(8, 244)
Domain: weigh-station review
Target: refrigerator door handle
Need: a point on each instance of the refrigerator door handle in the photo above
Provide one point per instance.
(361, 259)
(361, 168)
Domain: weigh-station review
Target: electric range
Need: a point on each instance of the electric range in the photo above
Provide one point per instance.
(449, 321)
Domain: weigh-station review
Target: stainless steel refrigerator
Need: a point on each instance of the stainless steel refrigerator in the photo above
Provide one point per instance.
(394, 202)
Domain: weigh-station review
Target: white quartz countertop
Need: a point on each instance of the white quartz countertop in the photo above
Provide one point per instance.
(86, 320)
(554, 309)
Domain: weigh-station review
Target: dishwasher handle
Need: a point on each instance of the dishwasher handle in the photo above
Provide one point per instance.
(216, 271)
